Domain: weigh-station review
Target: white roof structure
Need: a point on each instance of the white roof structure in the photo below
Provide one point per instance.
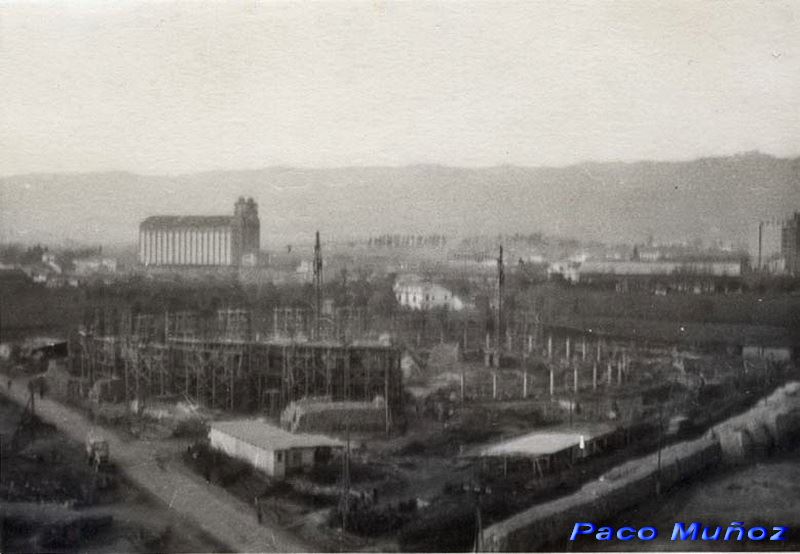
(732, 269)
(545, 443)
(268, 437)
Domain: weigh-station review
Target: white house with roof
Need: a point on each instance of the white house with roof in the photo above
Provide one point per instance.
(271, 449)
(417, 294)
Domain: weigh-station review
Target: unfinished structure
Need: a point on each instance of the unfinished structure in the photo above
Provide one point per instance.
(228, 370)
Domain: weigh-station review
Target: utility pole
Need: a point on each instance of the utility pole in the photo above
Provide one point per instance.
(318, 287)
(499, 319)
(660, 443)
(346, 479)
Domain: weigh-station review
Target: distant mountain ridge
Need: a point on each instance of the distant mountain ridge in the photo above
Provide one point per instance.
(714, 198)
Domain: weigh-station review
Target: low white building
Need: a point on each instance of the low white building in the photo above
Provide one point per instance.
(95, 264)
(423, 295)
(271, 449)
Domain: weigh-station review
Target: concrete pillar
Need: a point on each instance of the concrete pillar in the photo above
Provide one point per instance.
(530, 344)
(462, 386)
(608, 380)
(228, 248)
(524, 384)
(494, 385)
(598, 350)
(552, 382)
(140, 249)
(567, 349)
(184, 247)
(583, 349)
(575, 379)
(213, 249)
(619, 372)
(549, 347)
(594, 376)
(211, 257)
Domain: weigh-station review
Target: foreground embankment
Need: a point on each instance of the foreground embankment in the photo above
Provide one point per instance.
(772, 422)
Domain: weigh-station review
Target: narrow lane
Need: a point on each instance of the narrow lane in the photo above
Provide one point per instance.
(228, 519)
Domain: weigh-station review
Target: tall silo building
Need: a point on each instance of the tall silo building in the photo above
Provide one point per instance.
(202, 240)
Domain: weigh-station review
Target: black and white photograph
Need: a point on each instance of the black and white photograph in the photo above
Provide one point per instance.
(399, 276)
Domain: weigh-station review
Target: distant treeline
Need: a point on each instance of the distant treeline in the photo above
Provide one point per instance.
(17, 254)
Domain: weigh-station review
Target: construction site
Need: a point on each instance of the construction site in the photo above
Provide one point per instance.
(365, 432)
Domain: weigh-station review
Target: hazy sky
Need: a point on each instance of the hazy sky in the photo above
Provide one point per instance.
(184, 87)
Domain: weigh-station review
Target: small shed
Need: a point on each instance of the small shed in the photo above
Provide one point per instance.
(269, 448)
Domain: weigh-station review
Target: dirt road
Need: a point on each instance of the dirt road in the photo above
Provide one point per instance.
(226, 518)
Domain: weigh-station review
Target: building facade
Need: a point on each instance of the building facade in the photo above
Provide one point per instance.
(270, 449)
(202, 240)
(790, 244)
(421, 295)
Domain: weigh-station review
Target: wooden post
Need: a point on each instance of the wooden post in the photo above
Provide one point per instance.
(549, 347)
(583, 349)
(386, 367)
(567, 349)
(530, 344)
(598, 350)
(524, 384)
(575, 379)
(552, 382)
(594, 376)
(494, 385)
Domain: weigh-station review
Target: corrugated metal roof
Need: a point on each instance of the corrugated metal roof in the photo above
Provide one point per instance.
(186, 221)
(269, 437)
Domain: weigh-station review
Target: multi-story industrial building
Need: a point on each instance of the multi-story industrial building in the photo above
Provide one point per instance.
(790, 244)
(202, 240)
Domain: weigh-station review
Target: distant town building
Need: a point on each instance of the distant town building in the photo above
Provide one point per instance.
(49, 259)
(202, 240)
(566, 270)
(790, 244)
(766, 247)
(93, 265)
(417, 294)
(658, 277)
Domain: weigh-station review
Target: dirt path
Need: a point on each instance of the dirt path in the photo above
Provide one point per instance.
(226, 518)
